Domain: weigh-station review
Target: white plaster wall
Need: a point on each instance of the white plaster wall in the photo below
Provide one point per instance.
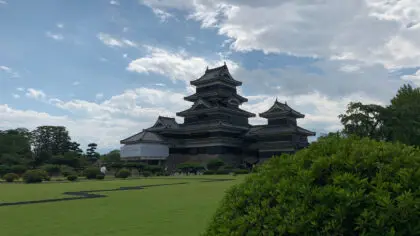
(144, 150)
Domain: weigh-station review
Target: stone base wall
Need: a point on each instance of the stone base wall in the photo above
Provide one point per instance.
(175, 159)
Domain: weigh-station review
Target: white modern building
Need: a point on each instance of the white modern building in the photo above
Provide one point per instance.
(145, 146)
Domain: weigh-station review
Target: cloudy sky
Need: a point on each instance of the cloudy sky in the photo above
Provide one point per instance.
(106, 69)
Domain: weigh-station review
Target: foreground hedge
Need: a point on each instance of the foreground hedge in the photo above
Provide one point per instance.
(337, 186)
(35, 176)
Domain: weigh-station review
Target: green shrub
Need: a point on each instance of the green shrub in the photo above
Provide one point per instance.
(215, 164)
(18, 169)
(10, 177)
(67, 171)
(34, 176)
(123, 174)
(153, 168)
(188, 167)
(223, 171)
(92, 172)
(209, 172)
(146, 173)
(4, 169)
(72, 177)
(337, 186)
(241, 171)
(100, 176)
(51, 169)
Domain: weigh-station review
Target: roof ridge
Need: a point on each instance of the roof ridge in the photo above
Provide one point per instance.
(217, 68)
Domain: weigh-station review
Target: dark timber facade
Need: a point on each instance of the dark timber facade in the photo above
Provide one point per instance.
(215, 126)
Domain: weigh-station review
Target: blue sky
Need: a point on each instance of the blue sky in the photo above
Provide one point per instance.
(106, 69)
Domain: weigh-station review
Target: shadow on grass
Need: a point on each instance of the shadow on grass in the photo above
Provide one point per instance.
(90, 194)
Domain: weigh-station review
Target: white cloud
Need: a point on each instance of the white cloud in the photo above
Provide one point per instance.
(16, 95)
(114, 2)
(35, 94)
(60, 25)
(54, 36)
(5, 68)
(115, 42)
(163, 15)
(190, 39)
(20, 89)
(2, 2)
(76, 83)
(99, 95)
(9, 71)
(175, 65)
(415, 78)
(370, 31)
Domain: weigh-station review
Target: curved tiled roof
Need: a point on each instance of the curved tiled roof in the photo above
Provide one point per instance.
(280, 109)
(219, 73)
(144, 136)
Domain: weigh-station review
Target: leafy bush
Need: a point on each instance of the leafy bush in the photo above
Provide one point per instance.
(67, 171)
(337, 186)
(241, 171)
(123, 174)
(153, 168)
(18, 169)
(223, 171)
(215, 164)
(4, 169)
(188, 167)
(51, 169)
(130, 165)
(146, 173)
(72, 177)
(91, 172)
(116, 165)
(100, 176)
(209, 172)
(35, 176)
(10, 177)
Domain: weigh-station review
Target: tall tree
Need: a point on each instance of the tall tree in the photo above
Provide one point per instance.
(91, 153)
(16, 142)
(48, 141)
(404, 116)
(364, 120)
(75, 147)
(112, 156)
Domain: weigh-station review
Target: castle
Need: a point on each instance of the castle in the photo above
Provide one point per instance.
(215, 127)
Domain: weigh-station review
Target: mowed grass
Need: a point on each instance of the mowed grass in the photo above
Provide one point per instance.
(156, 211)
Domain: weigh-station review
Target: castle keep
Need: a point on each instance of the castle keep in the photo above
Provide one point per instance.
(215, 127)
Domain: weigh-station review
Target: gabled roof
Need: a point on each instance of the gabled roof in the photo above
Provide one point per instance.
(215, 109)
(164, 123)
(143, 137)
(281, 109)
(278, 129)
(220, 73)
(217, 93)
(200, 102)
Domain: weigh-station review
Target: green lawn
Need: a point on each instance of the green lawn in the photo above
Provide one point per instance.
(163, 210)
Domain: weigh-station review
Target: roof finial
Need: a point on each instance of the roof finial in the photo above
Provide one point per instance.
(277, 100)
(224, 62)
(207, 68)
(285, 102)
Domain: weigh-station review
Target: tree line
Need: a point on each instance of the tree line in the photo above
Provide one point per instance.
(21, 149)
(397, 122)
